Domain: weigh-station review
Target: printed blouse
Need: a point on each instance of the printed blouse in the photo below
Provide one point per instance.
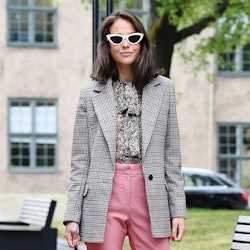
(128, 104)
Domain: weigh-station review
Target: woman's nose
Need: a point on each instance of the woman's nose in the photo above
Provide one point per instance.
(125, 42)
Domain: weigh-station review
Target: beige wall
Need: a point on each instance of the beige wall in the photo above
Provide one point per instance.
(49, 73)
(194, 106)
(193, 110)
(232, 99)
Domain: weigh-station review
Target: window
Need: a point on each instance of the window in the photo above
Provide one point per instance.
(237, 61)
(32, 135)
(233, 152)
(31, 23)
(197, 180)
(140, 8)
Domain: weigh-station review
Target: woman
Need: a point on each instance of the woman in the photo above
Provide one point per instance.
(126, 161)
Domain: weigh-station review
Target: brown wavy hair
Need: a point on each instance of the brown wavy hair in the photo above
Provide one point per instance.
(104, 67)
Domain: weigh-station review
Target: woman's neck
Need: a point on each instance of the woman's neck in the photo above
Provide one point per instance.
(126, 74)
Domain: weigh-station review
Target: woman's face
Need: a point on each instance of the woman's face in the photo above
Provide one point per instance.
(124, 54)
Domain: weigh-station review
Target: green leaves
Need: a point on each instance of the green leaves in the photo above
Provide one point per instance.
(230, 20)
(185, 13)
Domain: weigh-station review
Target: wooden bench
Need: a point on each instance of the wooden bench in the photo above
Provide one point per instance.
(241, 238)
(33, 230)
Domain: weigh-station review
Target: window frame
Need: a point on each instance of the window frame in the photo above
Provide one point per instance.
(234, 161)
(31, 10)
(33, 138)
(238, 63)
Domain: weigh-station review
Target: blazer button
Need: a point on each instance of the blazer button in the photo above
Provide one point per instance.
(150, 177)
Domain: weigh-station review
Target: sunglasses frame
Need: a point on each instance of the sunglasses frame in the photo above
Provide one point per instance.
(109, 36)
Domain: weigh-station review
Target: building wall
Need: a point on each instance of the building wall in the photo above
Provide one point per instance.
(193, 109)
(48, 73)
(232, 99)
(194, 104)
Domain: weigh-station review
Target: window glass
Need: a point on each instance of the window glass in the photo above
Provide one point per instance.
(227, 140)
(229, 59)
(32, 23)
(237, 61)
(20, 152)
(45, 118)
(18, 2)
(44, 3)
(32, 134)
(246, 58)
(202, 180)
(45, 151)
(228, 167)
(196, 180)
(21, 118)
(234, 152)
(246, 140)
(188, 181)
(44, 27)
(18, 26)
(140, 8)
(135, 4)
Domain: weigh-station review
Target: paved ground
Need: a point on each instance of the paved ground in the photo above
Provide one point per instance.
(62, 245)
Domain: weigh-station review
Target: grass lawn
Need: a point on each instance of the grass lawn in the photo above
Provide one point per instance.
(206, 229)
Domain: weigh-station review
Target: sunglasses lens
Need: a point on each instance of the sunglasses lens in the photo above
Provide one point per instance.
(116, 39)
(134, 38)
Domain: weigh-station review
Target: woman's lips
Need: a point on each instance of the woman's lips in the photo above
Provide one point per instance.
(126, 53)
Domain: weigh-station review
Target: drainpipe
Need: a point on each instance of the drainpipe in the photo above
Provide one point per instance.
(211, 110)
(210, 125)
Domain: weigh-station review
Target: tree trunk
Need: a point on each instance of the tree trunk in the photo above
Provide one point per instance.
(165, 35)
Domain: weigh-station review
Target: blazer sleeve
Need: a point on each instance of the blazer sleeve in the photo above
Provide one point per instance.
(174, 178)
(79, 162)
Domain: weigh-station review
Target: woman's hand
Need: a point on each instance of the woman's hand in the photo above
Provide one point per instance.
(178, 229)
(72, 234)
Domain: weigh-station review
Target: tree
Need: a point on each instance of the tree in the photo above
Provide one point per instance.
(173, 21)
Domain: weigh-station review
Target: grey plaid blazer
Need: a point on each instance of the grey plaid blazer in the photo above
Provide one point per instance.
(93, 158)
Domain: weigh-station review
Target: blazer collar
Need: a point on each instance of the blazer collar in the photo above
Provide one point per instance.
(105, 108)
(151, 102)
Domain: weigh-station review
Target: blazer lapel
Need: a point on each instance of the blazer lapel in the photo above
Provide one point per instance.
(105, 108)
(151, 102)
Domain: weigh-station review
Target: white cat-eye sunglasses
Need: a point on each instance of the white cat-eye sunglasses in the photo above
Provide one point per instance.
(118, 39)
